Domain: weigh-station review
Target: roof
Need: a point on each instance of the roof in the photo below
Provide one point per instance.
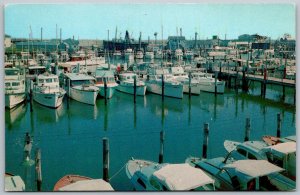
(104, 73)
(14, 183)
(47, 76)
(88, 185)
(254, 168)
(182, 177)
(78, 76)
(284, 148)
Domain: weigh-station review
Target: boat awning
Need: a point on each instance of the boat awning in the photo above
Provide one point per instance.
(88, 185)
(254, 168)
(283, 148)
(182, 177)
(78, 76)
(14, 183)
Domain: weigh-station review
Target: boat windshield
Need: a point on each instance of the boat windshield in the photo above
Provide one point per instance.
(82, 82)
(11, 72)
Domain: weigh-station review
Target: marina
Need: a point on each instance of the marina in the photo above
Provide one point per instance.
(158, 114)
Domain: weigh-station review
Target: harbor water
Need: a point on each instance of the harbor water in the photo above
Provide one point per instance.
(70, 139)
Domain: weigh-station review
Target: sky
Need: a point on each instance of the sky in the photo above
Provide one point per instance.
(92, 21)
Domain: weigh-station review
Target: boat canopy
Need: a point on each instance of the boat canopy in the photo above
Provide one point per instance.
(14, 183)
(104, 73)
(78, 76)
(253, 168)
(88, 185)
(182, 177)
(283, 148)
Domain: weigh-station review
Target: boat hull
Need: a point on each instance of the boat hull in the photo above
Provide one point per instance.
(195, 89)
(210, 87)
(12, 100)
(140, 90)
(84, 96)
(52, 100)
(174, 91)
(110, 91)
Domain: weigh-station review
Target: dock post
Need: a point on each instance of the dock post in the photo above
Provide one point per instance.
(134, 89)
(205, 140)
(69, 93)
(247, 132)
(283, 92)
(30, 95)
(161, 153)
(162, 87)
(190, 80)
(38, 169)
(105, 159)
(244, 82)
(105, 90)
(278, 124)
(215, 83)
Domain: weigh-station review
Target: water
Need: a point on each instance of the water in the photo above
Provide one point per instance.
(71, 139)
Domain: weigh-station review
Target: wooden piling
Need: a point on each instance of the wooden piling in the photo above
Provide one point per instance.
(247, 129)
(69, 93)
(105, 90)
(190, 80)
(105, 159)
(162, 87)
(245, 85)
(30, 95)
(161, 152)
(216, 83)
(205, 140)
(278, 124)
(134, 89)
(38, 168)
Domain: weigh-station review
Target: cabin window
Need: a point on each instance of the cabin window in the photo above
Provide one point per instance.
(141, 183)
(251, 156)
(41, 81)
(164, 188)
(15, 84)
(155, 184)
(99, 79)
(48, 80)
(55, 79)
(242, 152)
(128, 77)
(7, 84)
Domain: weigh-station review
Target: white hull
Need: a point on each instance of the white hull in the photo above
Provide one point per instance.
(11, 100)
(52, 100)
(195, 88)
(110, 90)
(140, 90)
(149, 56)
(210, 87)
(84, 95)
(139, 56)
(175, 91)
(129, 57)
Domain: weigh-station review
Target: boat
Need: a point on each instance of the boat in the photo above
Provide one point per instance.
(13, 183)
(139, 54)
(81, 87)
(100, 75)
(272, 140)
(172, 88)
(81, 183)
(158, 54)
(46, 90)
(117, 54)
(128, 54)
(14, 87)
(207, 82)
(182, 77)
(151, 176)
(189, 55)
(282, 154)
(242, 174)
(178, 54)
(126, 84)
(149, 55)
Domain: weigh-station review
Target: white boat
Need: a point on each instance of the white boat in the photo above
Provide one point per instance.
(207, 82)
(13, 183)
(81, 87)
(81, 183)
(14, 87)
(178, 54)
(182, 77)
(111, 84)
(139, 54)
(151, 176)
(158, 54)
(149, 55)
(117, 54)
(172, 88)
(189, 55)
(46, 90)
(126, 84)
(128, 54)
(281, 154)
(272, 140)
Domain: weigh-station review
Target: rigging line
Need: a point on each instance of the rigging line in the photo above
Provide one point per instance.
(117, 172)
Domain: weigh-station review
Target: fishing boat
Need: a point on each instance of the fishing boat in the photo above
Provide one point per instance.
(149, 55)
(13, 183)
(178, 54)
(158, 54)
(81, 183)
(81, 87)
(139, 54)
(14, 87)
(189, 55)
(272, 140)
(242, 174)
(46, 90)
(282, 154)
(172, 88)
(182, 77)
(117, 54)
(126, 84)
(102, 74)
(208, 83)
(151, 176)
(128, 54)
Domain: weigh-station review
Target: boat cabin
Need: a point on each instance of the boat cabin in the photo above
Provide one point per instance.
(79, 79)
(101, 74)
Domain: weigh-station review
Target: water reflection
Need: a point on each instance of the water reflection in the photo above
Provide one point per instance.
(14, 115)
(45, 114)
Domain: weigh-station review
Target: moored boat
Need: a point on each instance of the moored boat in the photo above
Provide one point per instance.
(272, 140)
(126, 84)
(208, 83)
(13, 183)
(111, 84)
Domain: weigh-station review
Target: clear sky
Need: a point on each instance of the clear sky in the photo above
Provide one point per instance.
(91, 21)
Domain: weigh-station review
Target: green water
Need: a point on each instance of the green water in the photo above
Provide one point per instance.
(71, 139)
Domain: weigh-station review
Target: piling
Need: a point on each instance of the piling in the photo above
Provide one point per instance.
(134, 89)
(245, 85)
(105, 159)
(283, 92)
(190, 80)
(105, 90)
(278, 124)
(162, 87)
(69, 93)
(161, 152)
(247, 130)
(38, 169)
(205, 140)
(216, 83)
(30, 96)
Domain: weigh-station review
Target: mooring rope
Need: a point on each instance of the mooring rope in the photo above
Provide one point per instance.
(117, 172)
